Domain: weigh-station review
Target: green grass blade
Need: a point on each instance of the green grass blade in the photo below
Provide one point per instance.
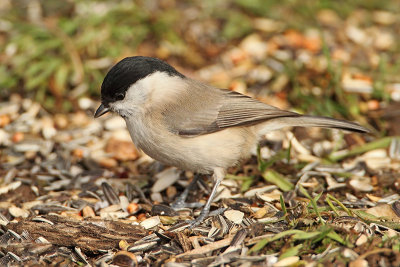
(292, 251)
(329, 197)
(313, 202)
(277, 179)
(283, 205)
(380, 143)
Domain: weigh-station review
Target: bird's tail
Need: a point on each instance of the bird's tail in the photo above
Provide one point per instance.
(310, 121)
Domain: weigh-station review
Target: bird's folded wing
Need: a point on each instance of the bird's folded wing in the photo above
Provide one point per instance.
(215, 110)
(238, 109)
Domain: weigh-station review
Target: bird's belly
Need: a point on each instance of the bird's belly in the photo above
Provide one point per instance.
(202, 153)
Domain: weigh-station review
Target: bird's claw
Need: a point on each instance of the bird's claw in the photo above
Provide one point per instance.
(178, 205)
(203, 215)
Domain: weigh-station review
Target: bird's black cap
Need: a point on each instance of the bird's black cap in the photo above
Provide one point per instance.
(128, 71)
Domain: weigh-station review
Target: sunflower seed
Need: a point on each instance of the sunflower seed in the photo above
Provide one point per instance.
(142, 247)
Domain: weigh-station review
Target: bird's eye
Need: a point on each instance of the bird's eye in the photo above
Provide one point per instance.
(119, 96)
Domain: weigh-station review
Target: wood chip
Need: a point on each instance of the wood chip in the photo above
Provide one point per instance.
(207, 248)
(93, 234)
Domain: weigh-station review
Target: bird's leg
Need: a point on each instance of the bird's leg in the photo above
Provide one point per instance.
(218, 176)
(180, 202)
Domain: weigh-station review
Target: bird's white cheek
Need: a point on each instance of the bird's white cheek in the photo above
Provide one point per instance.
(123, 108)
(136, 94)
(133, 102)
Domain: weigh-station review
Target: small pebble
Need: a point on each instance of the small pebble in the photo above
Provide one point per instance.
(125, 259)
(287, 261)
(362, 185)
(384, 17)
(151, 222)
(234, 216)
(85, 103)
(123, 245)
(392, 233)
(121, 150)
(132, 208)
(61, 121)
(78, 153)
(17, 137)
(18, 212)
(156, 197)
(30, 155)
(87, 211)
(261, 213)
(361, 240)
(165, 178)
(351, 254)
(171, 192)
(4, 120)
(108, 162)
(359, 263)
(48, 130)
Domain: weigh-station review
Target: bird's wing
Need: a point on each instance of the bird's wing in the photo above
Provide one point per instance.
(216, 109)
(238, 109)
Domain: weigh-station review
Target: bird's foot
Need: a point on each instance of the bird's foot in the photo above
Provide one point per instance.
(179, 204)
(203, 215)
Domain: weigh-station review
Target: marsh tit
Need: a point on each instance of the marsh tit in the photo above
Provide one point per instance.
(192, 125)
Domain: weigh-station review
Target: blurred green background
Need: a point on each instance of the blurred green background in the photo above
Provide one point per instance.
(59, 51)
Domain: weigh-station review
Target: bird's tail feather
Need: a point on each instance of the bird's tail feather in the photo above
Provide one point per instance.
(311, 121)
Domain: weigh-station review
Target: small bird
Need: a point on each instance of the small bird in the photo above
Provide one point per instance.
(192, 125)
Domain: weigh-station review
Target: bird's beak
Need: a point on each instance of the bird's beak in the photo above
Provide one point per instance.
(101, 110)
